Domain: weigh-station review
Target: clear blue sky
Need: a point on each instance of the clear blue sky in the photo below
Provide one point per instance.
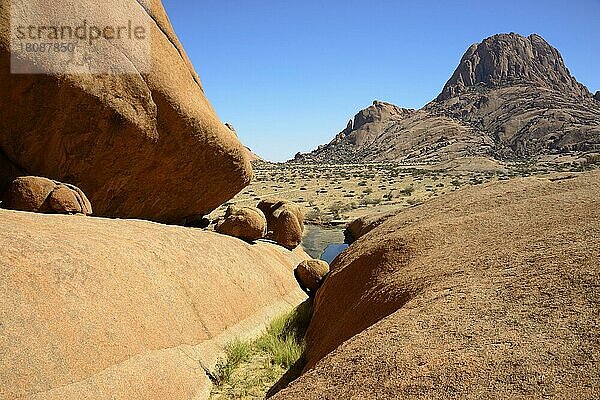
(290, 74)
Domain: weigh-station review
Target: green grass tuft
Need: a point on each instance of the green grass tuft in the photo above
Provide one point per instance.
(236, 352)
(251, 367)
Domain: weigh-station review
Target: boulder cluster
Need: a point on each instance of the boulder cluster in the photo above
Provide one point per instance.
(279, 220)
(38, 194)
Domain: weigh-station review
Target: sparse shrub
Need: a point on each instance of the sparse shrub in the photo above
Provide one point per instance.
(407, 191)
(336, 208)
(314, 215)
(592, 159)
(370, 201)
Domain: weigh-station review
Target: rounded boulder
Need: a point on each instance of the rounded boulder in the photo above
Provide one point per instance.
(285, 221)
(247, 223)
(286, 229)
(311, 274)
(69, 199)
(269, 206)
(28, 193)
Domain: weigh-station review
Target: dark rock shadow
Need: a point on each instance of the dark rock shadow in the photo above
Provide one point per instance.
(294, 372)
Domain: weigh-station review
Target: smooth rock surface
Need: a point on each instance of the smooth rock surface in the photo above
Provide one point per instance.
(93, 308)
(489, 292)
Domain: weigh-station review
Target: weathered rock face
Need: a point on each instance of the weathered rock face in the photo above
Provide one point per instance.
(142, 146)
(510, 97)
(101, 308)
(38, 194)
(357, 131)
(519, 91)
(247, 223)
(311, 274)
(508, 59)
(597, 95)
(285, 221)
(490, 292)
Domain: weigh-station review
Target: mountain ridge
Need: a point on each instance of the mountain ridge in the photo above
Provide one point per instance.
(510, 97)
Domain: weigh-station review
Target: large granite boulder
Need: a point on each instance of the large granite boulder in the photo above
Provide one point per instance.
(94, 308)
(489, 292)
(141, 145)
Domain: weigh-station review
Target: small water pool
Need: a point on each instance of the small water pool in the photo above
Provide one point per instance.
(332, 251)
(323, 242)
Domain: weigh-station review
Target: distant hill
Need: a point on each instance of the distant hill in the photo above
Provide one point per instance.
(511, 97)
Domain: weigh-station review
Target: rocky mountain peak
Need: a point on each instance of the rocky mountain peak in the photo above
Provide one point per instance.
(378, 111)
(506, 59)
(511, 97)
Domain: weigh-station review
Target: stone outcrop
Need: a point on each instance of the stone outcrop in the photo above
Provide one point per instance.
(140, 145)
(38, 194)
(122, 309)
(286, 228)
(489, 292)
(357, 131)
(597, 95)
(310, 275)
(510, 97)
(247, 223)
(285, 221)
(508, 59)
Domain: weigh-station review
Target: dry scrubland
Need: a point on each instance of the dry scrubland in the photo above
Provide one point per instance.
(337, 194)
